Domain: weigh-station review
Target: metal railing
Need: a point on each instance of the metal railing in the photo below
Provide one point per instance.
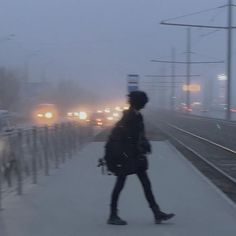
(27, 153)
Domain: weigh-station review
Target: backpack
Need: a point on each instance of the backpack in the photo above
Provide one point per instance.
(123, 155)
(114, 149)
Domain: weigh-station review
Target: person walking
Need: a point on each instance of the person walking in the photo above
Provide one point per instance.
(125, 154)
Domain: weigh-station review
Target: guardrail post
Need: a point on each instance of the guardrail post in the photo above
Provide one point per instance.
(62, 142)
(40, 140)
(51, 151)
(77, 135)
(68, 140)
(19, 163)
(46, 151)
(55, 144)
(74, 130)
(8, 165)
(80, 136)
(28, 149)
(34, 156)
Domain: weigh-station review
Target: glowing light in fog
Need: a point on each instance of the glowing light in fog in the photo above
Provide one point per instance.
(107, 110)
(83, 115)
(222, 77)
(48, 115)
(118, 108)
(110, 118)
(191, 88)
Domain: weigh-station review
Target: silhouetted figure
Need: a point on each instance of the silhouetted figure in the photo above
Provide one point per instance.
(125, 154)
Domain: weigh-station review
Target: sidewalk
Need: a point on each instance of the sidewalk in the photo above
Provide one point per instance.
(74, 201)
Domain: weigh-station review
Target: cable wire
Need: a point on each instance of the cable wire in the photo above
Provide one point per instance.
(194, 13)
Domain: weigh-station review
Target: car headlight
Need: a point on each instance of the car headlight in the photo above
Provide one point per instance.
(83, 115)
(110, 118)
(40, 115)
(48, 115)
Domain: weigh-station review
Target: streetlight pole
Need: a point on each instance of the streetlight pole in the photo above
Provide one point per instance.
(229, 60)
(173, 96)
(188, 54)
(229, 29)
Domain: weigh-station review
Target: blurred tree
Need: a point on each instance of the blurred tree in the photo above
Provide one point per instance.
(9, 88)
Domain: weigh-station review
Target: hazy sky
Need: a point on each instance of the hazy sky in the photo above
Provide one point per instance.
(98, 42)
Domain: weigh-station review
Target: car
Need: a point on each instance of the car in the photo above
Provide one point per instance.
(101, 119)
(81, 117)
(45, 114)
(97, 119)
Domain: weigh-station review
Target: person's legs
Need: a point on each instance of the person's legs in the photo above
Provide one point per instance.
(114, 218)
(158, 214)
(120, 182)
(144, 179)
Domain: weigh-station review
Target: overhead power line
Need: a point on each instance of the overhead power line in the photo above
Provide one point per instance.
(168, 76)
(197, 26)
(163, 82)
(190, 62)
(195, 13)
(229, 29)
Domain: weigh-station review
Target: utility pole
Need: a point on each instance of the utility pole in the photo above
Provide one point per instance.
(173, 94)
(229, 29)
(163, 93)
(229, 60)
(188, 69)
(188, 64)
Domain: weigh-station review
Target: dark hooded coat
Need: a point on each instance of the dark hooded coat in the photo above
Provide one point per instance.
(127, 145)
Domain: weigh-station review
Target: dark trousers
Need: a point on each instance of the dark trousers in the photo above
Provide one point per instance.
(120, 182)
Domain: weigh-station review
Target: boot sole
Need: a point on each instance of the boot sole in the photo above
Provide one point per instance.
(168, 217)
(159, 221)
(112, 223)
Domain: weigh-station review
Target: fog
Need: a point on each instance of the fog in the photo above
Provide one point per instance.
(65, 67)
(97, 43)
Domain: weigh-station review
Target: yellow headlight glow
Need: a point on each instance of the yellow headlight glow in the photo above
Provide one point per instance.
(40, 115)
(110, 118)
(48, 115)
(83, 115)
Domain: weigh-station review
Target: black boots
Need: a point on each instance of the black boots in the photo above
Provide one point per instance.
(114, 219)
(161, 216)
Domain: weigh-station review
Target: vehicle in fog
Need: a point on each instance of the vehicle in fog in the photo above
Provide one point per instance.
(45, 114)
(98, 119)
(101, 119)
(81, 117)
(184, 108)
